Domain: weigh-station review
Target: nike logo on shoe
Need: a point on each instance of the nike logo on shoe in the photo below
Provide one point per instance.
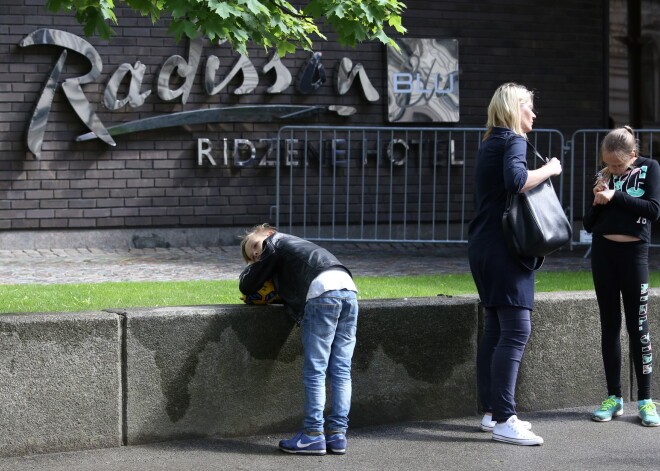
(300, 444)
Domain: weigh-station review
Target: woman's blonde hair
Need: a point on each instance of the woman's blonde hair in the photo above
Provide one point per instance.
(258, 229)
(504, 108)
(621, 143)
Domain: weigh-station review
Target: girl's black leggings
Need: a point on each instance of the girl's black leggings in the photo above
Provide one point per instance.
(620, 271)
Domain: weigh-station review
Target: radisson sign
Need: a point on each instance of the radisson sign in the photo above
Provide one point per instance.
(309, 79)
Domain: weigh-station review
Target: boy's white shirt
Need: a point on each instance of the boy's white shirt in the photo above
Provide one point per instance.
(329, 280)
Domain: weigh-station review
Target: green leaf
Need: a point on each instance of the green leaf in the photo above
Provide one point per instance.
(336, 10)
(256, 7)
(283, 47)
(108, 14)
(382, 37)
(57, 5)
(190, 29)
(395, 21)
(177, 28)
(223, 9)
(315, 9)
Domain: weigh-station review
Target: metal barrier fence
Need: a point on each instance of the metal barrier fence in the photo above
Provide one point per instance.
(383, 184)
(584, 164)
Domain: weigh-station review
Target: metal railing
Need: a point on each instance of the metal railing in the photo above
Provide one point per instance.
(383, 184)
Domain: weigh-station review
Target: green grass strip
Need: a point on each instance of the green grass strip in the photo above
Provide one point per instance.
(97, 296)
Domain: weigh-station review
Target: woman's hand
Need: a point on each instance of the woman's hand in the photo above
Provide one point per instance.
(603, 196)
(534, 177)
(553, 167)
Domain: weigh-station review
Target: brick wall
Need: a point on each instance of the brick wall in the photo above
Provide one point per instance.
(152, 178)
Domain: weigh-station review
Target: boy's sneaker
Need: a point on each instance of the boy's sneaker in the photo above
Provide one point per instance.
(648, 413)
(336, 443)
(610, 407)
(487, 424)
(303, 444)
(513, 432)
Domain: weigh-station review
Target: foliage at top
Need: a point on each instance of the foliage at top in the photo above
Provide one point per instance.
(268, 23)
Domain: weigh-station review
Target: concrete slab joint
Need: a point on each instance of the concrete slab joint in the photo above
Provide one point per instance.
(121, 316)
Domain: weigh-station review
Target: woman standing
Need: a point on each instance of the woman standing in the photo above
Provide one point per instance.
(506, 287)
(626, 202)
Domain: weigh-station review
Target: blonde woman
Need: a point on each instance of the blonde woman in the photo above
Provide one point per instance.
(626, 202)
(506, 287)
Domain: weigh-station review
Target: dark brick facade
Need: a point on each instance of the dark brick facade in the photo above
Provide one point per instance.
(152, 179)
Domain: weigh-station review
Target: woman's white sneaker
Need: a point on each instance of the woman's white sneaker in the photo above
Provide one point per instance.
(487, 424)
(512, 431)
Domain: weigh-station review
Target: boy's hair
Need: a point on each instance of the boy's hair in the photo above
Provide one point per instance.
(258, 229)
(620, 142)
(504, 108)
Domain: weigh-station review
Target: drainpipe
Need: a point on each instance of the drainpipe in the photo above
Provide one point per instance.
(635, 62)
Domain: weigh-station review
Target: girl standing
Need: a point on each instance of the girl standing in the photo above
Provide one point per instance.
(626, 202)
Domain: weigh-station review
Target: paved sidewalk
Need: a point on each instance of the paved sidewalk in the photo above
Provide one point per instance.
(572, 442)
(95, 265)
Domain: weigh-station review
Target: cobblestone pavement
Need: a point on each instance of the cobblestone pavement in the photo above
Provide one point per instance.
(94, 265)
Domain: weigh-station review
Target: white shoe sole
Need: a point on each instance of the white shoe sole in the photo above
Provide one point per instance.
(651, 424)
(518, 441)
(304, 452)
(618, 413)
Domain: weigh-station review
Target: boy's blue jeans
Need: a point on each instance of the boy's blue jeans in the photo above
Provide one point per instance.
(328, 338)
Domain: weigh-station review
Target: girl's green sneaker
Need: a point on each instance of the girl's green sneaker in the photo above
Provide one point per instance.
(610, 407)
(647, 413)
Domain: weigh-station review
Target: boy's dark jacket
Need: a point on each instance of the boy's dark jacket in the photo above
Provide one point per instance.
(292, 263)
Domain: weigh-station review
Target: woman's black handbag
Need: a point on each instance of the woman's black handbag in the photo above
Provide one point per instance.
(534, 223)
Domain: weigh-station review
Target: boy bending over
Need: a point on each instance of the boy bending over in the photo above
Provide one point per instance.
(319, 293)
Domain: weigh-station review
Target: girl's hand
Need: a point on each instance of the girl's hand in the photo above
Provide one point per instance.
(603, 197)
(600, 186)
(601, 183)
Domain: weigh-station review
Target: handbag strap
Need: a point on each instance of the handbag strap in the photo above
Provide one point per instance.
(536, 153)
(537, 263)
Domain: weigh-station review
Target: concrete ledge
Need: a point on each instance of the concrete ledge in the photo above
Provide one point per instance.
(128, 376)
(414, 360)
(214, 370)
(60, 387)
(563, 365)
(236, 370)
